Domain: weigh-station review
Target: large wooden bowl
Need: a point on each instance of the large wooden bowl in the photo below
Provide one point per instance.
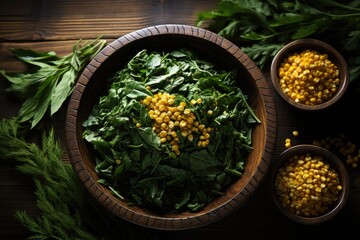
(210, 46)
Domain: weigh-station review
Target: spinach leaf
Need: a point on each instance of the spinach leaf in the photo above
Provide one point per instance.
(143, 170)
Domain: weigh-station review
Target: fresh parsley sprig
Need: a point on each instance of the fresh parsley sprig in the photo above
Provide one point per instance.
(262, 27)
(47, 86)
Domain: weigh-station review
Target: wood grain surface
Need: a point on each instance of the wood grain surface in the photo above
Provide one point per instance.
(55, 25)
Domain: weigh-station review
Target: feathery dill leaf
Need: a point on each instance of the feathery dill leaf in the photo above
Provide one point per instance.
(56, 187)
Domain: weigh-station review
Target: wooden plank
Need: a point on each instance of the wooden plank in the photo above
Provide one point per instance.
(9, 63)
(56, 25)
(64, 20)
(16, 193)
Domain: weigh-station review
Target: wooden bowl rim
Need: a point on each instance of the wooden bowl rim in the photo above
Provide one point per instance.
(321, 46)
(162, 222)
(334, 162)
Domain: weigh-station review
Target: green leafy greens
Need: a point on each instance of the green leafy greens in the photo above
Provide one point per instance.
(132, 161)
(47, 86)
(262, 27)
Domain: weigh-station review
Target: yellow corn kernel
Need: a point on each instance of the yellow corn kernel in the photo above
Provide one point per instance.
(173, 134)
(183, 123)
(184, 133)
(190, 137)
(159, 120)
(187, 111)
(162, 108)
(163, 134)
(287, 142)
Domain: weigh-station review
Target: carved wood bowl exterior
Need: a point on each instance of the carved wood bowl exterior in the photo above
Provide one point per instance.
(210, 46)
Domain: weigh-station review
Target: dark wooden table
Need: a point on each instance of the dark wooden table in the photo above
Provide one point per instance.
(56, 25)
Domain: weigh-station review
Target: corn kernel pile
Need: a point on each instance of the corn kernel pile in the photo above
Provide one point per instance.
(346, 149)
(170, 120)
(309, 77)
(307, 186)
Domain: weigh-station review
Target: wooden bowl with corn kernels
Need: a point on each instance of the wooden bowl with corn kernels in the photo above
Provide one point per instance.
(309, 184)
(309, 74)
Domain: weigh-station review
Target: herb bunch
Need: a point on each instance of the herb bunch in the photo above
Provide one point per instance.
(262, 27)
(67, 209)
(50, 81)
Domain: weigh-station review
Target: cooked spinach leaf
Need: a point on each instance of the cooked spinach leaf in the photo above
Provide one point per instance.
(140, 168)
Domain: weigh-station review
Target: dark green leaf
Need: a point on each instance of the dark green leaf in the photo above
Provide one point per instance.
(259, 27)
(62, 90)
(149, 137)
(50, 82)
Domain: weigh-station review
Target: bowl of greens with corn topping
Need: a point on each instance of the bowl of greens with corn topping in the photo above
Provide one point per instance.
(309, 184)
(171, 127)
(309, 74)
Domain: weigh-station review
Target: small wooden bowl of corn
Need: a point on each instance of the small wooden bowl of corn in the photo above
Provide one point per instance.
(309, 74)
(309, 184)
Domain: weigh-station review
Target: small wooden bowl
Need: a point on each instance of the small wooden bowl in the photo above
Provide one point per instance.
(209, 46)
(327, 157)
(321, 47)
